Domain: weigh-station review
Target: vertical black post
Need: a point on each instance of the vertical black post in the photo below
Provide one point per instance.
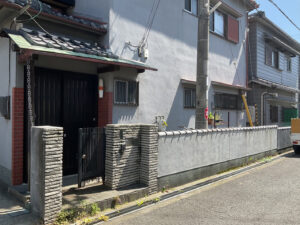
(80, 147)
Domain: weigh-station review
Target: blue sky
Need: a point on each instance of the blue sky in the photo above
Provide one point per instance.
(290, 7)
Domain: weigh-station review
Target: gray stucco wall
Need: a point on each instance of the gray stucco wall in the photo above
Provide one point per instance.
(284, 137)
(172, 48)
(180, 151)
(6, 125)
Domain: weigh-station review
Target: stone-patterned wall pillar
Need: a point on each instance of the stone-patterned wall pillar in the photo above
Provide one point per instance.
(149, 157)
(122, 164)
(46, 172)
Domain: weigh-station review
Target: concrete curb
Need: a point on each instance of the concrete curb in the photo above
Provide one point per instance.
(189, 189)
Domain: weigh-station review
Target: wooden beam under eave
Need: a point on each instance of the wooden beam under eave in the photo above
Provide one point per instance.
(108, 69)
(140, 70)
(24, 56)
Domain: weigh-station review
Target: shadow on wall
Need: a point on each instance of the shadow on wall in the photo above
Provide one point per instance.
(230, 58)
(180, 117)
(124, 114)
(163, 22)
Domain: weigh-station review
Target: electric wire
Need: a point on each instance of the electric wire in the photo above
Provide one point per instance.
(283, 13)
(35, 16)
(34, 20)
(149, 24)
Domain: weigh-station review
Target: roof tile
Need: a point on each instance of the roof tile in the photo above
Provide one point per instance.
(39, 38)
(36, 4)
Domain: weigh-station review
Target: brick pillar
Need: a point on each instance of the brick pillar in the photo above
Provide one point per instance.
(46, 172)
(149, 157)
(105, 105)
(17, 135)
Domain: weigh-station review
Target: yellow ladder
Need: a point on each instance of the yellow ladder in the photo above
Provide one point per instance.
(247, 110)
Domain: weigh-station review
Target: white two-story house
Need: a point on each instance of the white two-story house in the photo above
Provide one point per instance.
(141, 54)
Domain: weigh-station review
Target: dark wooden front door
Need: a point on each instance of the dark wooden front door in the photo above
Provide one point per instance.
(68, 100)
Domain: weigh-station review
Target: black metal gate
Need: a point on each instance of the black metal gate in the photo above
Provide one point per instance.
(68, 100)
(91, 160)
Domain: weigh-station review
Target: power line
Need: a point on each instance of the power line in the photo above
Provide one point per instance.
(149, 24)
(38, 23)
(283, 13)
(35, 16)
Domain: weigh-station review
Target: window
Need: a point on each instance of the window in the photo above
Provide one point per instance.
(288, 64)
(191, 6)
(273, 114)
(225, 26)
(275, 59)
(189, 97)
(219, 21)
(126, 92)
(226, 101)
(272, 57)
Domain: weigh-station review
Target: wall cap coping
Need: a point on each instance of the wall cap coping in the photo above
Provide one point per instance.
(220, 130)
(47, 128)
(284, 128)
(130, 125)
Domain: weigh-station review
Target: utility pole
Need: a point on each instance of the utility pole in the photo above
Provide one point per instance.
(204, 12)
(202, 64)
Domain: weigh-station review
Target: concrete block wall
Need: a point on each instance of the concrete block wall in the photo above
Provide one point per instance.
(130, 155)
(46, 172)
(182, 151)
(284, 137)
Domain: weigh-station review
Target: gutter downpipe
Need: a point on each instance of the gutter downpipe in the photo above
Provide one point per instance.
(262, 107)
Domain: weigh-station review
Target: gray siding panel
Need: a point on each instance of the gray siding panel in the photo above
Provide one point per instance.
(269, 73)
(252, 49)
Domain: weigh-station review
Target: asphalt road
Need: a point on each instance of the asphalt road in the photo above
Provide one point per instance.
(269, 194)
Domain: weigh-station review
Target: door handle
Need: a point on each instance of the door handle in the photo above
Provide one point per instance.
(83, 156)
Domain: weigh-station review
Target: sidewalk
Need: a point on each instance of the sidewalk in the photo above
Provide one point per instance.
(12, 213)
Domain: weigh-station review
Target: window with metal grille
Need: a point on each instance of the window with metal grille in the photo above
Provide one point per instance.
(226, 101)
(189, 97)
(191, 6)
(273, 114)
(126, 92)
